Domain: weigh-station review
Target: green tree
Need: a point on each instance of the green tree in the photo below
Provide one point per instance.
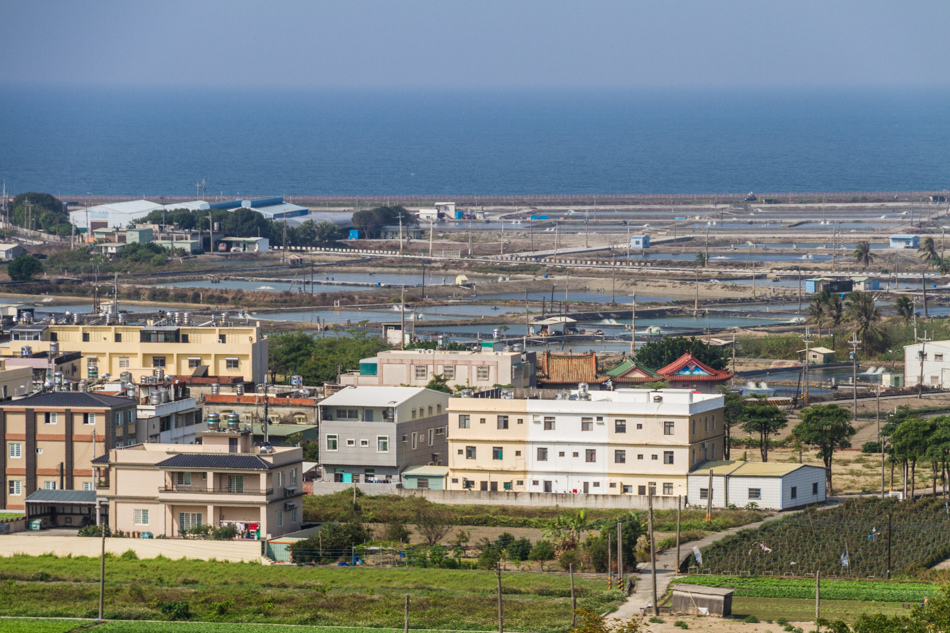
(662, 352)
(864, 316)
(862, 254)
(370, 221)
(434, 523)
(828, 428)
(319, 360)
(904, 306)
(818, 309)
(439, 383)
(40, 211)
(911, 439)
(734, 403)
(700, 259)
(927, 253)
(327, 232)
(761, 418)
(24, 267)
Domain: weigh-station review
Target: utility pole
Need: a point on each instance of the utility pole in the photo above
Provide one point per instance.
(855, 344)
(888, 545)
(709, 497)
(402, 320)
(573, 598)
(807, 339)
(633, 323)
(923, 283)
(656, 607)
(556, 236)
(501, 618)
(102, 560)
(266, 414)
(880, 439)
(620, 582)
(922, 354)
(406, 627)
(610, 562)
(400, 234)
(613, 285)
(799, 290)
(706, 255)
(679, 509)
(431, 229)
(283, 243)
(817, 594)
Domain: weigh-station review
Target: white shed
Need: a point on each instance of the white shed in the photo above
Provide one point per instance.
(774, 486)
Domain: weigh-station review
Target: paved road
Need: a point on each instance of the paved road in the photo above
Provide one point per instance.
(666, 566)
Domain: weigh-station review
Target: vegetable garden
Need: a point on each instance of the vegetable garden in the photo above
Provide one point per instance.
(850, 540)
(804, 589)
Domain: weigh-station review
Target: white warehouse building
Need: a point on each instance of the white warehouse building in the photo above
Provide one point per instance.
(936, 366)
(768, 485)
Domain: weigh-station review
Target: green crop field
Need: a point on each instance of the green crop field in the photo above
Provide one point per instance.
(796, 588)
(798, 610)
(815, 539)
(31, 625)
(17, 625)
(209, 591)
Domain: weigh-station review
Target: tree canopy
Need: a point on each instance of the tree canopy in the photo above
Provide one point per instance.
(734, 403)
(759, 417)
(370, 221)
(828, 428)
(248, 223)
(662, 352)
(319, 359)
(24, 267)
(40, 211)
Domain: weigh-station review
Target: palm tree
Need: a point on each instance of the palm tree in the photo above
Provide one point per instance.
(905, 308)
(862, 254)
(863, 315)
(701, 259)
(834, 308)
(927, 253)
(818, 309)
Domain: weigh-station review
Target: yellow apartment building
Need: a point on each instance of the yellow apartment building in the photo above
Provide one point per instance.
(237, 351)
(604, 442)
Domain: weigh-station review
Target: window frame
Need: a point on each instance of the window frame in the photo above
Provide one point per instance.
(620, 426)
(382, 443)
(590, 455)
(140, 516)
(465, 421)
(336, 442)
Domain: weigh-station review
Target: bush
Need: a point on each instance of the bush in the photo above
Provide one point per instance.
(226, 533)
(93, 530)
(871, 447)
(568, 558)
(751, 619)
(542, 551)
(333, 541)
(395, 530)
(176, 610)
(681, 624)
(129, 554)
(24, 267)
(781, 621)
(656, 620)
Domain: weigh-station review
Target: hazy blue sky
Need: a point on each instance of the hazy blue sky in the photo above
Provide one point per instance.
(476, 44)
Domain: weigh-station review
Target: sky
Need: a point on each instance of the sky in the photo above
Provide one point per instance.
(485, 44)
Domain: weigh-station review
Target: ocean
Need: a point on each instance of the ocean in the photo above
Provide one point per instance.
(151, 142)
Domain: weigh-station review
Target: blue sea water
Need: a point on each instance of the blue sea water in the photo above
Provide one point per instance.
(241, 142)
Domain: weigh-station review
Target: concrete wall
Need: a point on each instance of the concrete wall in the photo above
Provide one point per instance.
(36, 545)
(331, 487)
(540, 500)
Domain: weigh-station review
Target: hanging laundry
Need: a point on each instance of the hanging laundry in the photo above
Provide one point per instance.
(764, 548)
(697, 555)
(844, 558)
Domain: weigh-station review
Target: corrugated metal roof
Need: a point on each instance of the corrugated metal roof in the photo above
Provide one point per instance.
(223, 461)
(700, 590)
(57, 399)
(749, 469)
(75, 497)
(102, 459)
(374, 396)
(426, 471)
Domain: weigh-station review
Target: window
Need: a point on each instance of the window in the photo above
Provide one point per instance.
(587, 424)
(560, 454)
(694, 427)
(232, 363)
(414, 413)
(14, 488)
(642, 490)
(87, 486)
(123, 362)
(448, 372)
(331, 442)
(183, 479)
(620, 426)
(706, 424)
(347, 414)
(596, 484)
(421, 371)
(158, 361)
(652, 486)
(668, 428)
(194, 363)
(814, 488)
(628, 489)
(575, 454)
(184, 338)
(482, 420)
(351, 442)
(668, 488)
(293, 476)
(714, 421)
(88, 418)
(517, 453)
(85, 337)
(364, 443)
(620, 457)
(938, 358)
(639, 455)
(590, 455)
(431, 437)
(280, 518)
(39, 451)
(16, 450)
(481, 373)
(118, 337)
(497, 452)
(794, 494)
(222, 338)
(542, 454)
(140, 517)
(49, 485)
(119, 419)
(639, 427)
(382, 444)
(704, 493)
(188, 520)
(49, 418)
(415, 441)
(667, 457)
(469, 452)
(502, 421)
(549, 423)
(654, 457)
(520, 420)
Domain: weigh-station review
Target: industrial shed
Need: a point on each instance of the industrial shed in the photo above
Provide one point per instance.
(772, 485)
(696, 600)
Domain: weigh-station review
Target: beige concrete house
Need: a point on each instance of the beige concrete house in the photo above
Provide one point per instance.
(175, 349)
(165, 489)
(50, 440)
(599, 442)
(478, 370)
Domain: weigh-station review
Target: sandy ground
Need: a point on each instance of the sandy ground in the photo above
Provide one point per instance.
(717, 625)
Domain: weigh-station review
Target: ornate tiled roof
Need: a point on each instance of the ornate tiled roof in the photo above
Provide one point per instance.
(688, 368)
(630, 371)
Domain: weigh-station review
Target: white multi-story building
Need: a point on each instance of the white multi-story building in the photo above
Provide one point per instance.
(611, 442)
(935, 369)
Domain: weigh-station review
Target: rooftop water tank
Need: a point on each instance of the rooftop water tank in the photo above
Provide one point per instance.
(234, 421)
(214, 421)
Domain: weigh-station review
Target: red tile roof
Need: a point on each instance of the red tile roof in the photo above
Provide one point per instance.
(687, 360)
(568, 369)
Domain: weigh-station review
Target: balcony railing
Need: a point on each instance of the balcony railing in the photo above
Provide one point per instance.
(227, 490)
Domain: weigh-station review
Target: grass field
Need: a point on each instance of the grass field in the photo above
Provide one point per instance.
(324, 596)
(804, 610)
(29, 625)
(798, 588)
(39, 626)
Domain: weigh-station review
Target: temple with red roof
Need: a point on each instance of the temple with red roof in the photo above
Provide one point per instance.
(566, 371)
